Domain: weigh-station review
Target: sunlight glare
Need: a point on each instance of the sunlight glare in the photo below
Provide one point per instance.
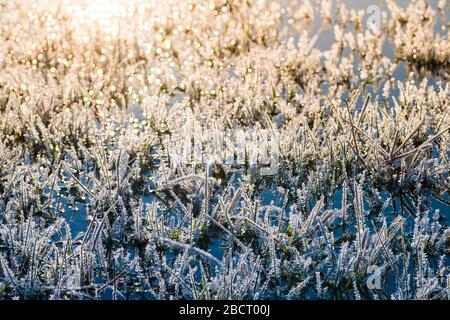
(101, 15)
(104, 9)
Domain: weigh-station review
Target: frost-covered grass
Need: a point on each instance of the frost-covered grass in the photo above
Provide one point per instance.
(95, 203)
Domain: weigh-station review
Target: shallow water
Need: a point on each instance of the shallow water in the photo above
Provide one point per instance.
(78, 220)
(264, 195)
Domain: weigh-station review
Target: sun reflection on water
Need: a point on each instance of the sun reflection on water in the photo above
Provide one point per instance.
(102, 15)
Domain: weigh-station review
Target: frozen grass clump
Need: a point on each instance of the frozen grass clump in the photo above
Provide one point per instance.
(99, 198)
